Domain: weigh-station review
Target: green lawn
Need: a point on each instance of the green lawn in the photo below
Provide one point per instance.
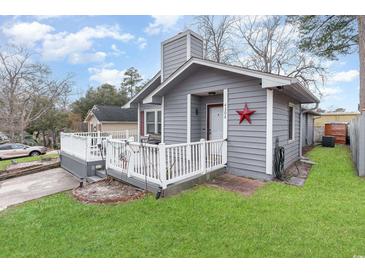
(325, 218)
(5, 163)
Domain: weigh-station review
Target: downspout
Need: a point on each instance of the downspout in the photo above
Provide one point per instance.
(303, 111)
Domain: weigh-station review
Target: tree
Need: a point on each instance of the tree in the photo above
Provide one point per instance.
(331, 36)
(340, 110)
(269, 44)
(49, 125)
(22, 81)
(103, 95)
(216, 31)
(131, 82)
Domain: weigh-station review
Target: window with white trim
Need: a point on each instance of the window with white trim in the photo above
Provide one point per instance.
(291, 127)
(153, 122)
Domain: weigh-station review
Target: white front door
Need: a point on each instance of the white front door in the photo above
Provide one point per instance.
(215, 122)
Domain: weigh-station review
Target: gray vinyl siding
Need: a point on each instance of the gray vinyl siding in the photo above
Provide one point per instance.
(246, 143)
(150, 106)
(307, 129)
(281, 127)
(196, 114)
(196, 47)
(174, 55)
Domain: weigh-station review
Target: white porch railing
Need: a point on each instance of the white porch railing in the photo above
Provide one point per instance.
(85, 145)
(165, 164)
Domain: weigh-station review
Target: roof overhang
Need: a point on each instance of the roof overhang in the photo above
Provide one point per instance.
(267, 80)
(154, 82)
(90, 114)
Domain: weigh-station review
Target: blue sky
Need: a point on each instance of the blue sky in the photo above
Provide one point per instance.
(97, 49)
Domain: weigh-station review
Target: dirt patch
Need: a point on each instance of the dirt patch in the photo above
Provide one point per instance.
(244, 186)
(298, 169)
(107, 191)
(306, 149)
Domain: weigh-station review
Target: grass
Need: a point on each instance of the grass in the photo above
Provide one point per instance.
(5, 163)
(325, 218)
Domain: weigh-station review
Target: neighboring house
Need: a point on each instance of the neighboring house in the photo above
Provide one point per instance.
(308, 119)
(111, 118)
(335, 117)
(193, 98)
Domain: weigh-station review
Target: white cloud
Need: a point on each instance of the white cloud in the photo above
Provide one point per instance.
(344, 76)
(330, 91)
(61, 44)
(142, 42)
(162, 23)
(77, 47)
(79, 58)
(106, 75)
(27, 33)
(116, 51)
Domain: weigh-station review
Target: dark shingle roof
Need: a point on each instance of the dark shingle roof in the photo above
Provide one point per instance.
(114, 113)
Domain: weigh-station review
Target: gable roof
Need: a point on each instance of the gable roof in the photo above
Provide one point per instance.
(268, 80)
(106, 113)
(149, 86)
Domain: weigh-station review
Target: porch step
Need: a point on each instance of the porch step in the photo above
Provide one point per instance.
(101, 173)
(93, 179)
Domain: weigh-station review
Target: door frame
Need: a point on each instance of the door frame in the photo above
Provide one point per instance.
(209, 106)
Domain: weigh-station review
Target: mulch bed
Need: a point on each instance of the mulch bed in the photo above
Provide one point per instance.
(107, 191)
(244, 186)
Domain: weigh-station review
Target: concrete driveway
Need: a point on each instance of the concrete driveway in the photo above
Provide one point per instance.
(33, 186)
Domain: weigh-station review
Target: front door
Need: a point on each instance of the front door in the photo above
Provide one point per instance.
(215, 122)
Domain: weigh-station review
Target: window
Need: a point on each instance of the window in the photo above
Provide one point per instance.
(150, 122)
(17, 146)
(153, 122)
(5, 147)
(291, 122)
(159, 122)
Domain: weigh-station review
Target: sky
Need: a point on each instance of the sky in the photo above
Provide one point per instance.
(98, 49)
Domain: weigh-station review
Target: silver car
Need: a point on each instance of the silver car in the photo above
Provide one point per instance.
(10, 150)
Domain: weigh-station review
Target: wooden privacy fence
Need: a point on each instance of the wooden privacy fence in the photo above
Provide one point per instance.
(357, 143)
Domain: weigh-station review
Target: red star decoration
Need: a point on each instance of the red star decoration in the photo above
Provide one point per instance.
(245, 114)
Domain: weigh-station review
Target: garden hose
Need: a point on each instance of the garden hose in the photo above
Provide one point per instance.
(279, 159)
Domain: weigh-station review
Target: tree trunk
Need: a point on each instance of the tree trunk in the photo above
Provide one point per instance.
(44, 138)
(361, 21)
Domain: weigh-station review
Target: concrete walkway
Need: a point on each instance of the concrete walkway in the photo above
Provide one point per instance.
(33, 186)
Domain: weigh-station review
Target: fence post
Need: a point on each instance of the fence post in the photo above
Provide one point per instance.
(162, 154)
(224, 152)
(203, 156)
(127, 134)
(130, 153)
(107, 154)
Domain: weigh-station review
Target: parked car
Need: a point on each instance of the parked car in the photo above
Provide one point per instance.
(12, 150)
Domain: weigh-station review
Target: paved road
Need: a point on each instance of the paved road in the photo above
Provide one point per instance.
(20, 189)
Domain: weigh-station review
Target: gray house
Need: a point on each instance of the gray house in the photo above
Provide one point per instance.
(308, 117)
(192, 98)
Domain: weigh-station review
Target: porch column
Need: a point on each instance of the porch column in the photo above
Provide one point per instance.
(269, 129)
(139, 122)
(188, 118)
(163, 119)
(225, 126)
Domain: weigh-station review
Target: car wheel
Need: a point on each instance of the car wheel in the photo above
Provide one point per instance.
(35, 153)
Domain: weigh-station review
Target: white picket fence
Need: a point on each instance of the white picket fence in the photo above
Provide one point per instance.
(165, 164)
(85, 145)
